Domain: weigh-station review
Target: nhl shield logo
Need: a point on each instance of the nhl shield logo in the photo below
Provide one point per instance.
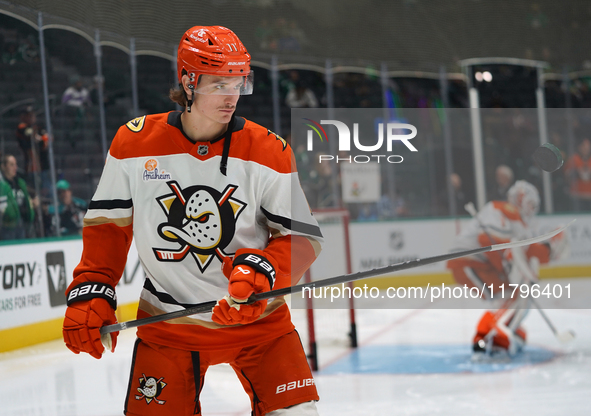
(201, 220)
(202, 150)
(150, 388)
(396, 240)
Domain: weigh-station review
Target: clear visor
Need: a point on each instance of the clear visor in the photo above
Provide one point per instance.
(218, 85)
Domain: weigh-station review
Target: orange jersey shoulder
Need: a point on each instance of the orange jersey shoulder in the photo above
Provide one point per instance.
(508, 210)
(260, 145)
(144, 136)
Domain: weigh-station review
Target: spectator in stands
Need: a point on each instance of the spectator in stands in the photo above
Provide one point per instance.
(70, 208)
(320, 185)
(293, 39)
(536, 18)
(560, 183)
(34, 144)
(503, 180)
(368, 212)
(75, 100)
(264, 35)
(16, 208)
(303, 161)
(458, 195)
(11, 54)
(300, 96)
(28, 49)
(578, 172)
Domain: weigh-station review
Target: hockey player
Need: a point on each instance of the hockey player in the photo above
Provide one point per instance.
(500, 222)
(217, 212)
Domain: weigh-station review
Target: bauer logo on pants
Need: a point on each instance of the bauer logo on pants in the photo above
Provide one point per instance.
(150, 388)
(201, 220)
(56, 277)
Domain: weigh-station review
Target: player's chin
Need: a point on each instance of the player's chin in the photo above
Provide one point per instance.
(225, 115)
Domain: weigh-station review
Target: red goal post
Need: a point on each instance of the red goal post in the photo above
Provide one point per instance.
(334, 259)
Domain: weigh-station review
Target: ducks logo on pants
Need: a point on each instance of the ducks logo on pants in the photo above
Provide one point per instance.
(150, 389)
(201, 219)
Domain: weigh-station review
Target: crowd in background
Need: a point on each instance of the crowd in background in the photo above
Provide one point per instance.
(27, 189)
(27, 205)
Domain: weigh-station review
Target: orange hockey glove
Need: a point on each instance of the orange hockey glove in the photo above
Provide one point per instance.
(91, 305)
(250, 272)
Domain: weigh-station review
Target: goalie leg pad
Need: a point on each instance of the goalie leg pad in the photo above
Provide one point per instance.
(500, 331)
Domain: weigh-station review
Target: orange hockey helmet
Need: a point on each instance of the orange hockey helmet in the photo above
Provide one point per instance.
(214, 50)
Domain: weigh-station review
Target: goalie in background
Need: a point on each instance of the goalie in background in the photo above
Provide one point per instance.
(500, 222)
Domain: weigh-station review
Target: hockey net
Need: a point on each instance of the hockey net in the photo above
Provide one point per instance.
(327, 328)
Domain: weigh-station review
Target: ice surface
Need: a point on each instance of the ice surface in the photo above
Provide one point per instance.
(47, 379)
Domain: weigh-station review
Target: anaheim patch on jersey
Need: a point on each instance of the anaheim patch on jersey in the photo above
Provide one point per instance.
(137, 124)
(277, 137)
(152, 173)
(201, 219)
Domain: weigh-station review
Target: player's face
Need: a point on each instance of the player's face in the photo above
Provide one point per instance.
(216, 97)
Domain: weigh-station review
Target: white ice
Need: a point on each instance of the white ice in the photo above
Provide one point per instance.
(49, 380)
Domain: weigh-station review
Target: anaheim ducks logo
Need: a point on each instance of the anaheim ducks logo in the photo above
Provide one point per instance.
(150, 389)
(201, 219)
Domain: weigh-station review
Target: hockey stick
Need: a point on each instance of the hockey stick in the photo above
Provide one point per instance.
(521, 263)
(564, 337)
(208, 306)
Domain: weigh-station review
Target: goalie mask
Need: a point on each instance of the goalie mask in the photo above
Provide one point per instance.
(526, 198)
(217, 51)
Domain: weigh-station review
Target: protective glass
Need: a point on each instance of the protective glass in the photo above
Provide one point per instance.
(219, 85)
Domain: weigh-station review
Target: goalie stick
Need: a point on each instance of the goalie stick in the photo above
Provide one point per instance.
(208, 306)
(563, 337)
(521, 262)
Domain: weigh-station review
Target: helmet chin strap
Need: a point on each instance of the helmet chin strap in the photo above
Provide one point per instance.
(190, 99)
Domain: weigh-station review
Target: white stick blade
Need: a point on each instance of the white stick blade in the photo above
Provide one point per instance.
(566, 337)
(529, 241)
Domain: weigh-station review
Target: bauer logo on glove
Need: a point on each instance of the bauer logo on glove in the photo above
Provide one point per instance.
(91, 290)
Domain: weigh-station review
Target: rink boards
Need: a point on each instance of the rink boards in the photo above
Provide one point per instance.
(35, 275)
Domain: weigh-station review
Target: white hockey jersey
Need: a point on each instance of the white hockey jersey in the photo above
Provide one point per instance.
(186, 216)
(496, 223)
